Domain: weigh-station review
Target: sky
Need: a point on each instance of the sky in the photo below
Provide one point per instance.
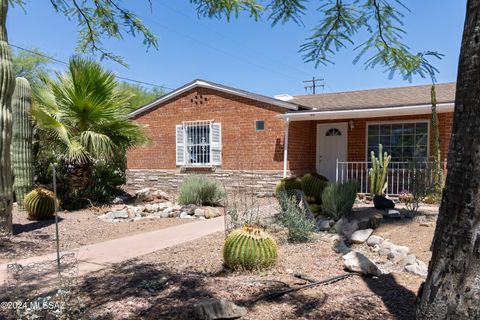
(242, 53)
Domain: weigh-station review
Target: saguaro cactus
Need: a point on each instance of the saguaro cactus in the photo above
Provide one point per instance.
(7, 85)
(22, 140)
(378, 172)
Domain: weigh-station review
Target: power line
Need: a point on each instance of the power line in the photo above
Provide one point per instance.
(232, 39)
(218, 49)
(314, 84)
(65, 63)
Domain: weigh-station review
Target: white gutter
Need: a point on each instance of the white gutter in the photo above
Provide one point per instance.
(366, 113)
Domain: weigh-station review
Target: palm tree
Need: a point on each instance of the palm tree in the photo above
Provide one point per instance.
(84, 114)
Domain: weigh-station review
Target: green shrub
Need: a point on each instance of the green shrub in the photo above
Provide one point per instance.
(200, 190)
(338, 199)
(313, 185)
(295, 219)
(288, 184)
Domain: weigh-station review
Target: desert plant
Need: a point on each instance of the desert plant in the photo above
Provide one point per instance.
(378, 172)
(294, 217)
(7, 85)
(421, 185)
(40, 204)
(200, 190)
(374, 222)
(313, 185)
(22, 140)
(83, 116)
(338, 199)
(288, 184)
(249, 248)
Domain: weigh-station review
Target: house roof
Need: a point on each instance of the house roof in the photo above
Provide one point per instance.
(219, 87)
(377, 98)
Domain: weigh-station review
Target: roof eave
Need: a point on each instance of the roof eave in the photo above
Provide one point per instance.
(366, 113)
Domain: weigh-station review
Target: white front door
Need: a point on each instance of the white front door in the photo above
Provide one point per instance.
(331, 145)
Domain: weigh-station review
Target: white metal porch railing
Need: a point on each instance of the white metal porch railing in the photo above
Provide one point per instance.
(399, 175)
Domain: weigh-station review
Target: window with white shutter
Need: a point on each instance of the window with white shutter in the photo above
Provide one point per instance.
(199, 143)
(180, 143)
(216, 144)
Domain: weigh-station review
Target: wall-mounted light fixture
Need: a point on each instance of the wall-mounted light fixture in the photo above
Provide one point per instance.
(351, 125)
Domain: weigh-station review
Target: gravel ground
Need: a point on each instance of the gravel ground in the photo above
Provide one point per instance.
(162, 285)
(77, 228)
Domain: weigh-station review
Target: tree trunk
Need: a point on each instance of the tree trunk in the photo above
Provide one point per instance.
(452, 288)
(7, 85)
(79, 174)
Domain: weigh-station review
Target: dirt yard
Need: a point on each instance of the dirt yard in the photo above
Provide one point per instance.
(77, 228)
(166, 283)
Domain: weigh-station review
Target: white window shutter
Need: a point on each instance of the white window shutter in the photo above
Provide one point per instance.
(216, 144)
(180, 145)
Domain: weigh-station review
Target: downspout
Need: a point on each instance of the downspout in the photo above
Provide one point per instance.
(285, 148)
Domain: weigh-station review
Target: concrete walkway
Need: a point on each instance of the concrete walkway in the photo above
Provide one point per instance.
(97, 256)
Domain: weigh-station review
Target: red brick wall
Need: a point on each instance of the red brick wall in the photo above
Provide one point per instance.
(243, 147)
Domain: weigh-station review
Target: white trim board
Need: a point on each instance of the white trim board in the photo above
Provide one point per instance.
(366, 113)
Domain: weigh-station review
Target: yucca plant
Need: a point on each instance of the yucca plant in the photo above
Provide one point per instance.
(84, 114)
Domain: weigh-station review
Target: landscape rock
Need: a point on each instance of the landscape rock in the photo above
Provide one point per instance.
(117, 200)
(149, 208)
(164, 205)
(349, 228)
(199, 212)
(164, 214)
(408, 260)
(341, 247)
(215, 309)
(392, 214)
(323, 224)
(159, 194)
(144, 195)
(357, 262)
(360, 236)
(211, 212)
(123, 214)
(419, 268)
(397, 253)
(185, 215)
(190, 209)
(107, 216)
(177, 207)
(374, 240)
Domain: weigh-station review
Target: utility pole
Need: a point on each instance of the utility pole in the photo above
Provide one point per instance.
(314, 84)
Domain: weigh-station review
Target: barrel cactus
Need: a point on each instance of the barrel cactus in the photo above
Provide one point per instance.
(40, 204)
(249, 248)
(22, 140)
(288, 184)
(313, 185)
(7, 85)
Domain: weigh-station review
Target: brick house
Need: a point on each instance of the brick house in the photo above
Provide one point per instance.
(204, 127)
